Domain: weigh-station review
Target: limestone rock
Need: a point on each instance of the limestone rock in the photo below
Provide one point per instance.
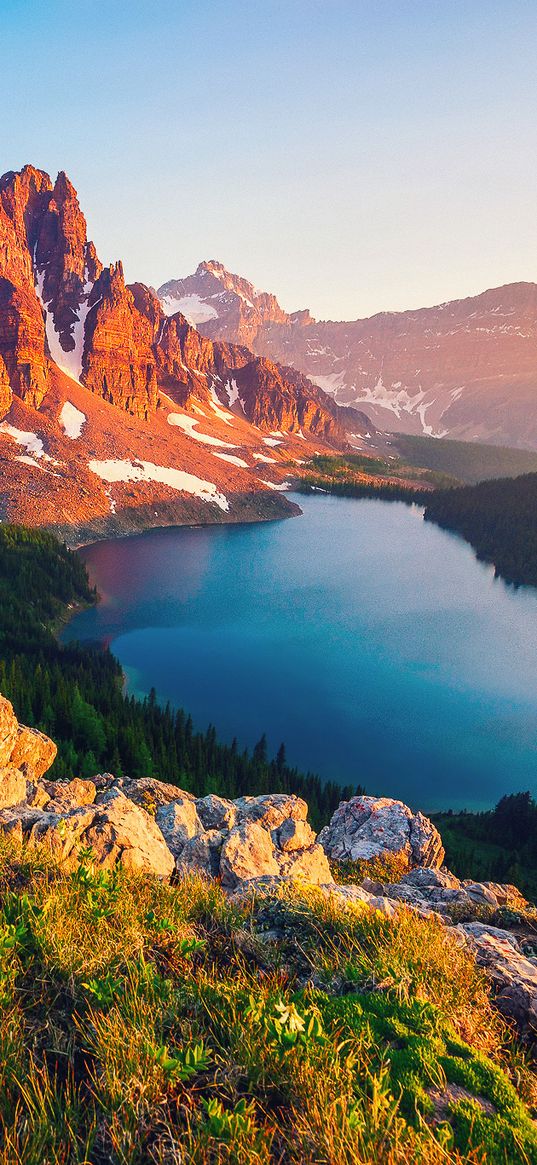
(309, 865)
(293, 835)
(481, 894)
(247, 853)
(145, 791)
(64, 795)
(8, 731)
(514, 977)
(117, 831)
(62, 835)
(33, 752)
(368, 827)
(215, 812)
(13, 787)
(178, 821)
(123, 832)
(202, 853)
(270, 810)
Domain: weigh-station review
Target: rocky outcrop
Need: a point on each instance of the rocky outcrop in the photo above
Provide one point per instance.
(253, 837)
(25, 754)
(119, 363)
(22, 344)
(148, 824)
(261, 845)
(113, 828)
(513, 975)
(368, 827)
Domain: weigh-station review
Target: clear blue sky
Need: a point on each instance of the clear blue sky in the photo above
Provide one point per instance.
(349, 155)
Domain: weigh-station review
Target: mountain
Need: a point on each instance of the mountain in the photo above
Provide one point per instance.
(465, 369)
(116, 415)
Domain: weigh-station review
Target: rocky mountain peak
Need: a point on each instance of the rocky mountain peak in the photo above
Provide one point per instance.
(464, 369)
(223, 305)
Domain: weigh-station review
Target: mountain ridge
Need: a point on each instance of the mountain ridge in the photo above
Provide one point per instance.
(463, 368)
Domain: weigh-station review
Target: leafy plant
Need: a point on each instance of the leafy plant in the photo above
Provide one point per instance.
(184, 1063)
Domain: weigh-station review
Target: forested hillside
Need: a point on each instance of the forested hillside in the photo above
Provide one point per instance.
(497, 846)
(75, 694)
(468, 461)
(499, 519)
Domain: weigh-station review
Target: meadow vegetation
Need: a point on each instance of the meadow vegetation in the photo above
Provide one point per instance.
(146, 1022)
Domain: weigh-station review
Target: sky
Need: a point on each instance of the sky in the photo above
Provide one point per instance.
(352, 156)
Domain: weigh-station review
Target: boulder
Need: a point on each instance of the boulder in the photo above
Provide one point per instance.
(480, 894)
(513, 976)
(215, 812)
(150, 794)
(270, 810)
(370, 827)
(117, 831)
(505, 894)
(25, 749)
(33, 752)
(8, 731)
(62, 836)
(308, 865)
(247, 852)
(202, 853)
(13, 787)
(293, 835)
(123, 832)
(178, 821)
(64, 795)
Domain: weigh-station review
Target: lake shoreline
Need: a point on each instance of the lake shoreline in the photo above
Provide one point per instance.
(244, 625)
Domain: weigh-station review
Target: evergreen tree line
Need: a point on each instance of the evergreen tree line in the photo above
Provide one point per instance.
(75, 694)
(498, 518)
(345, 488)
(499, 845)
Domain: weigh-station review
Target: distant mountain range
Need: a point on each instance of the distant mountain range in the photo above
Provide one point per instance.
(465, 369)
(116, 414)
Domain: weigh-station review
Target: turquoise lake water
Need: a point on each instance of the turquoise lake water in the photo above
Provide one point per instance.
(369, 641)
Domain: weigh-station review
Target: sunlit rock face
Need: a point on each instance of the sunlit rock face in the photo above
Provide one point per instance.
(116, 415)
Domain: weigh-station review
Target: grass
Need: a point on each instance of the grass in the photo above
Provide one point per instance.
(386, 868)
(144, 1022)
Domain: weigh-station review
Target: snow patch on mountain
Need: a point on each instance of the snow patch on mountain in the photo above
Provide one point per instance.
(72, 420)
(118, 470)
(232, 460)
(232, 392)
(29, 441)
(68, 362)
(223, 415)
(188, 425)
(192, 307)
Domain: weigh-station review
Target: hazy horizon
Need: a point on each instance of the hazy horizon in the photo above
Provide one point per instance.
(348, 157)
